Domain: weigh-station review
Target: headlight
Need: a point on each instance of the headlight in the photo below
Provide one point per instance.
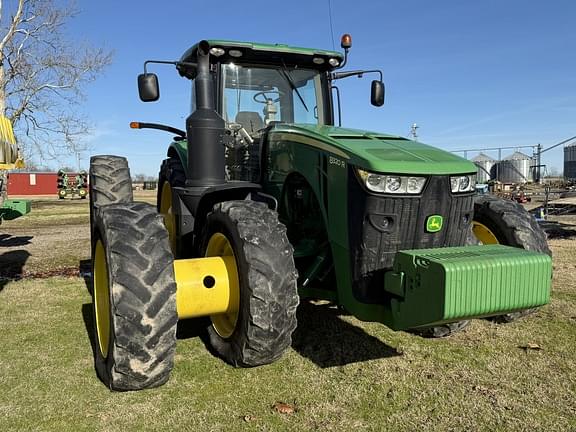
(463, 183)
(390, 183)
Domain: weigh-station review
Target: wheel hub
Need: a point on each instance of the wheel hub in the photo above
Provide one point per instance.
(225, 323)
(484, 234)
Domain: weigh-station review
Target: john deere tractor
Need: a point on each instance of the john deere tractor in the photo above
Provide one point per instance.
(262, 201)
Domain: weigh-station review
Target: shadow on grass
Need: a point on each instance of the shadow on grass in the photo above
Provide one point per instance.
(7, 240)
(12, 262)
(88, 317)
(558, 230)
(12, 266)
(85, 272)
(321, 336)
(327, 340)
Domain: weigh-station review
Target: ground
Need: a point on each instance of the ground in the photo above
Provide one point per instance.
(341, 374)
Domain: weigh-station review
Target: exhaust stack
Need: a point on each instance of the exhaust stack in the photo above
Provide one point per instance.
(205, 130)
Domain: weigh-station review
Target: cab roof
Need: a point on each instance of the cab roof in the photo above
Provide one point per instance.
(260, 53)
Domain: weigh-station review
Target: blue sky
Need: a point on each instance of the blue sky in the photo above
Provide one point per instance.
(470, 74)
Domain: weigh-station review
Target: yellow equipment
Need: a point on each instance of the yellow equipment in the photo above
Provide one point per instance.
(10, 157)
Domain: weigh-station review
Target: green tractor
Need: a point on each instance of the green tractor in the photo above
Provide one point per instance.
(263, 201)
(72, 184)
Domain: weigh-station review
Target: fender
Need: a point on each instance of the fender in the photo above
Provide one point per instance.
(192, 204)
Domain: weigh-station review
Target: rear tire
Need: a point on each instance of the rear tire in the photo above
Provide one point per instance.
(172, 175)
(267, 276)
(134, 297)
(110, 182)
(511, 225)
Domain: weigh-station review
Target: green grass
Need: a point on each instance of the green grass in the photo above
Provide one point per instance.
(341, 374)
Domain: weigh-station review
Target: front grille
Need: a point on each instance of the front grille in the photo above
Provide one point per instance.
(379, 226)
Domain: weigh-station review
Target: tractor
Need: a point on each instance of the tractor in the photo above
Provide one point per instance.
(264, 201)
(72, 184)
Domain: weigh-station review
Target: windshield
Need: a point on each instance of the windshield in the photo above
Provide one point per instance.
(256, 96)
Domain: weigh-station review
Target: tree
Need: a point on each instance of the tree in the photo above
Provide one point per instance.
(42, 76)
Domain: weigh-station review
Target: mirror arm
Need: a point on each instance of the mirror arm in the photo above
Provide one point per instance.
(175, 63)
(358, 73)
(157, 62)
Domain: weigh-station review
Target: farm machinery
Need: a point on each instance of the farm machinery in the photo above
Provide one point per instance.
(69, 184)
(9, 159)
(263, 201)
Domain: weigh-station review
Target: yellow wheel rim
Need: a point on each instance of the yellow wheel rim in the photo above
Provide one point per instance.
(484, 234)
(225, 323)
(101, 298)
(169, 217)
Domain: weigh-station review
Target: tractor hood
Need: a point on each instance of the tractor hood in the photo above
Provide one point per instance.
(375, 151)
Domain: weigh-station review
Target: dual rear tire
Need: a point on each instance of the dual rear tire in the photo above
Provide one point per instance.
(134, 297)
(134, 293)
(135, 312)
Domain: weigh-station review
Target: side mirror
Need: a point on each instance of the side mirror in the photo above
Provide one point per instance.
(377, 93)
(148, 87)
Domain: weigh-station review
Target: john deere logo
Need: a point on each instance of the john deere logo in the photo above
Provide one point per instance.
(434, 223)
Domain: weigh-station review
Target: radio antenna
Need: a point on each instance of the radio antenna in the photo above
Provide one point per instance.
(331, 24)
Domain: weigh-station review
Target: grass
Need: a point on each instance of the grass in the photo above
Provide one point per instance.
(341, 374)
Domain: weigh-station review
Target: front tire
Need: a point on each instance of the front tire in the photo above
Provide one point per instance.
(499, 221)
(261, 328)
(134, 297)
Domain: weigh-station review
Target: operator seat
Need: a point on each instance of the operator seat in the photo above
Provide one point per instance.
(250, 120)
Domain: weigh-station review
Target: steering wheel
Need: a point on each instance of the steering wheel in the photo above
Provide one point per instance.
(262, 97)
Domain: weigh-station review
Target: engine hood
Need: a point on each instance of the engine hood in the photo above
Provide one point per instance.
(375, 151)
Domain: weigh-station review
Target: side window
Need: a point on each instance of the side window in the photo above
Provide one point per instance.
(305, 114)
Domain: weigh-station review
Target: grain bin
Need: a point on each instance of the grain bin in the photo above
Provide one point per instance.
(484, 164)
(516, 168)
(570, 162)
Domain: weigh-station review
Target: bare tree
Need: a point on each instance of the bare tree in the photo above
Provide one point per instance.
(42, 75)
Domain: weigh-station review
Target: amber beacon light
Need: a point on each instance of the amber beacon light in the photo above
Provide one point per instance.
(346, 41)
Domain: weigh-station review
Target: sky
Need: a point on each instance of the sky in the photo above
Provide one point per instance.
(470, 74)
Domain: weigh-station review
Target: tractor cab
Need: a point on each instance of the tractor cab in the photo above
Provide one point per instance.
(253, 87)
(260, 84)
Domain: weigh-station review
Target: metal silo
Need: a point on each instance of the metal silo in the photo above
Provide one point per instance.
(516, 168)
(570, 162)
(484, 164)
